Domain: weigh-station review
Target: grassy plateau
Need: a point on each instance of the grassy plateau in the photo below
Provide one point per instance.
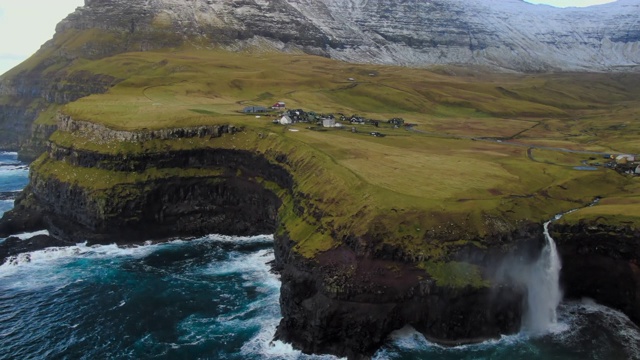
(487, 150)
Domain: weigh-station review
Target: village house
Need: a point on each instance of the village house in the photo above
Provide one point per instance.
(285, 120)
(625, 158)
(280, 105)
(396, 121)
(354, 119)
(297, 115)
(254, 109)
(328, 123)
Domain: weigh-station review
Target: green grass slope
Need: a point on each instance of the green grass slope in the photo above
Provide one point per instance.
(464, 172)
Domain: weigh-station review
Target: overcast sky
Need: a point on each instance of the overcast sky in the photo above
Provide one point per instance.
(25, 25)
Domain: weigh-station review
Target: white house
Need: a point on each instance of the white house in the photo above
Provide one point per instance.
(286, 120)
(328, 122)
(625, 158)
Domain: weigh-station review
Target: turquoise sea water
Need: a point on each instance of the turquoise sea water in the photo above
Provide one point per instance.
(13, 176)
(216, 298)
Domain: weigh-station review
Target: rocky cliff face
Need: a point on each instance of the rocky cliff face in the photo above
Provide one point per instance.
(601, 262)
(347, 304)
(345, 300)
(231, 201)
(506, 34)
(31, 92)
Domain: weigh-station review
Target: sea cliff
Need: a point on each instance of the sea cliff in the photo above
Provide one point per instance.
(343, 290)
(343, 299)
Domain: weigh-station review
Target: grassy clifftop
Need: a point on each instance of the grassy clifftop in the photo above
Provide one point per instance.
(487, 152)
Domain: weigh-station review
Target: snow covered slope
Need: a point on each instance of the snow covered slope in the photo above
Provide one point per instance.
(507, 34)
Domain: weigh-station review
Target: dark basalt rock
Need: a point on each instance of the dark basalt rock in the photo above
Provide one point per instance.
(601, 262)
(26, 216)
(347, 305)
(31, 92)
(233, 203)
(13, 246)
(345, 301)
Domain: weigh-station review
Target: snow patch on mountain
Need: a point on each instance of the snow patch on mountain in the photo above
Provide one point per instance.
(507, 34)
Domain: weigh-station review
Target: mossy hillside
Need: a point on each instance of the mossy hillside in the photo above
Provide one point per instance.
(586, 109)
(162, 84)
(341, 198)
(455, 274)
(95, 180)
(223, 72)
(428, 194)
(620, 210)
(398, 169)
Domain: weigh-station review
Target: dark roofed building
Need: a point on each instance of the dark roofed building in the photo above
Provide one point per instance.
(254, 109)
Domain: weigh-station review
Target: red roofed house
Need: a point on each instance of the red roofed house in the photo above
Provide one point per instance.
(278, 106)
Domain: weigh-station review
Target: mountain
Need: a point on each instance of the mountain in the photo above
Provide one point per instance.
(509, 34)
(436, 223)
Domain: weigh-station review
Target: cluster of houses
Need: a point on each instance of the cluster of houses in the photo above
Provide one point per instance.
(253, 109)
(292, 116)
(624, 163)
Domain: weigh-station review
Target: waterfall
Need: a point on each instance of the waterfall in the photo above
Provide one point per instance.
(543, 285)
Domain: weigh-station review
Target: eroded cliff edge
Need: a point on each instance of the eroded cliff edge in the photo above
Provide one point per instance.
(601, 261)
(345, 284)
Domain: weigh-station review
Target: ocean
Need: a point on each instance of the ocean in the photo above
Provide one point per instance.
(216, 298)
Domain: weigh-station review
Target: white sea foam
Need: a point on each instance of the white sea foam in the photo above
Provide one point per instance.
(56, 256)
(239, 239)
(29, 235)
(253, 266)
(59, 255)
(409, 340)
(12, 167)
(255, 269)
(262, 346)
(50, 266)
(262, 313)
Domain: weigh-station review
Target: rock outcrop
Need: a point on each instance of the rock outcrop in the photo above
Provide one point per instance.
(346, 304)
(231, 200)
(601, 262)
(31, 93)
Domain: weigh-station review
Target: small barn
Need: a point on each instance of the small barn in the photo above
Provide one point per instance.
(286, 120)
(329, 123)
(280, 105)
